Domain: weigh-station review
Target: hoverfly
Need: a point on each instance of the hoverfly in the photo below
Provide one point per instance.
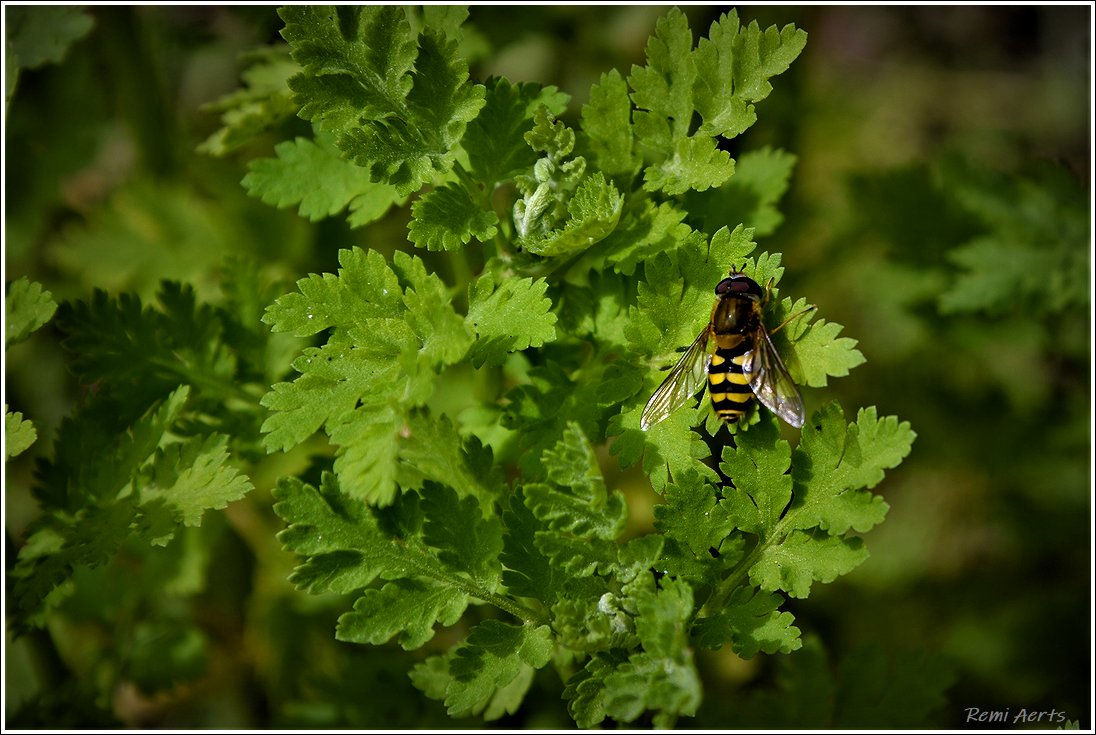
(744, 365)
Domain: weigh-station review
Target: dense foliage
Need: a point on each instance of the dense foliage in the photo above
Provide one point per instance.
(429, 448)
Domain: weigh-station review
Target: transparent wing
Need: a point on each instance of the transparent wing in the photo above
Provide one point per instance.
(770, 382)
(684, 380)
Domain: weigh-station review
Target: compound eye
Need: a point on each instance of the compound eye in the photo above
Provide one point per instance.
(748, 285)
(738, 284)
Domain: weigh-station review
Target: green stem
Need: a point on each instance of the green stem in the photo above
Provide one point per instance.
(208, 385)
(426, 565)
(718, 599)
(134, 64)
(461, 270)
(525, 613)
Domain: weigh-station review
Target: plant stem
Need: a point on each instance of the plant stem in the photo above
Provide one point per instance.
(718, 599)
(128, 47)
(426, 564)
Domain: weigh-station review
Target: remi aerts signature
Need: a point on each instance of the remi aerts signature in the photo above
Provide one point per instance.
(1017, 717)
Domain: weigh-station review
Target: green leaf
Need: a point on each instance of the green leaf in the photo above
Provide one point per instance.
(344, 546)
(718, 81)
(751, 621)
(447, 19)
(636, 561)
(734, 65)
(817, 353)
(364, 288)
(104, 489)
(669, 449)
(368, 461)
(431, 448)
(581, 517)
(644, 231)
(146, 349)
(761, 178)
(588, 623)
(28, 306)
(430, 561)
(593, 213)
(757, 466)
(40, 35)
(18, 434)
(490, 672)
(716, 57)
(555, 140)
(607, 128)
(317, 177)
(578, 557)
(1033, 252)
(319, 397)
(572, 464)
(94, 460)
(804, 557)
(669, 312)
(406, 607)
(527, 571)
(691, 164)
(447, 218)
(432, 677)
(396, 109)
(544, 406)
(663, 677)
(54, 551)
(355, 61)
(396, 105)
(692, 515)
(333, 571)
(761, 55)
(382, 360)
(442, 334)
(662, 90)
(833, 462)
(463, 539)
(495, 140)
(194, 476)
(662, 618)
(585, 692)
(510, 316)
(263, 356)
(264, 101)
(546, 206)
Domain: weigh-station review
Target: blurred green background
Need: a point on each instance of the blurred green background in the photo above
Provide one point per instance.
(919, 131)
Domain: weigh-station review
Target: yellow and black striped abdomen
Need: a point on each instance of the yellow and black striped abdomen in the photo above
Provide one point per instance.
(728, 386)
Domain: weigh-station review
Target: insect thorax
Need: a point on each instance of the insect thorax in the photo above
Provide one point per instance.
(735, 315)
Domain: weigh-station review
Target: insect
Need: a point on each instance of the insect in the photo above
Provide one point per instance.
(744, 365)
